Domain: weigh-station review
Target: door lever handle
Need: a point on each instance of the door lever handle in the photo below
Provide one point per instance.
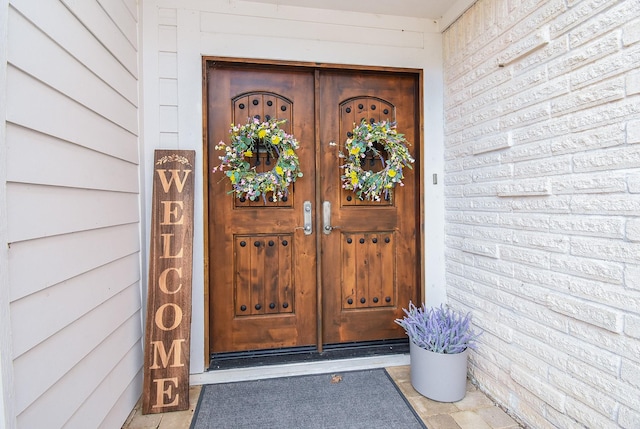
(308, 221)
(326, 218)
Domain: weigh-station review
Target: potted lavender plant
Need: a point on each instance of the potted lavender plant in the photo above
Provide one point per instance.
(440, 339)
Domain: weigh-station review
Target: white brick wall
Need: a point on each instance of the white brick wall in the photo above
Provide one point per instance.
(542, 198)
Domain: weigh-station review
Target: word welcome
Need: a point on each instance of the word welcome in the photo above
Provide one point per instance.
(168, 326)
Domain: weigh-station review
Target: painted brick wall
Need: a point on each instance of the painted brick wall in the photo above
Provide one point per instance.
(542, 185)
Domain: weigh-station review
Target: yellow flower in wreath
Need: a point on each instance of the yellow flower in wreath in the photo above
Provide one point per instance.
(245, 141)
(375, 139)
(354, 178)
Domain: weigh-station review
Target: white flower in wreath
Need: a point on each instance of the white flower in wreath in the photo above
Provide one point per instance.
(249, 139)
(367, 184)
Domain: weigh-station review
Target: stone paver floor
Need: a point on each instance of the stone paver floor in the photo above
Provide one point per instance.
(474, 411)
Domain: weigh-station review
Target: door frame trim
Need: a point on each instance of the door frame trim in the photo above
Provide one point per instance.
(317, 67)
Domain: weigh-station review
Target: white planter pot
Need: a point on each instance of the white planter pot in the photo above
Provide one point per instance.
(441, 377)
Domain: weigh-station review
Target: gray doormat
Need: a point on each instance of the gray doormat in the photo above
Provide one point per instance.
(350, 400)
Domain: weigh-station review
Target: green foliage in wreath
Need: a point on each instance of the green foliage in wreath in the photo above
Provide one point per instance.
(245, 142)
(367, 184)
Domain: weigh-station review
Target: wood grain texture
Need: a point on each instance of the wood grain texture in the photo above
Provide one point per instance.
(259, 274)
(376, 272)
(372, 269)
(168, 327)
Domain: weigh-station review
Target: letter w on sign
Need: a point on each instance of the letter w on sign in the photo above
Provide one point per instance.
(168, 327)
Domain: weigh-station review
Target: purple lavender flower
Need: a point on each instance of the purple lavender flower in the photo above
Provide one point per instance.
(438, 329)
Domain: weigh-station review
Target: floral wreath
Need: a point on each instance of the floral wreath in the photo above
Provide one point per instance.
(368, 184)
(249, 139)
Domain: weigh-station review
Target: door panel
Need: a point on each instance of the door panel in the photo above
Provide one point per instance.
(263, 268)
(374, 243)
(262, 278)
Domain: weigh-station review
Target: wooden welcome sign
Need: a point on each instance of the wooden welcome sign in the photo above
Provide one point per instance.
(168, 328)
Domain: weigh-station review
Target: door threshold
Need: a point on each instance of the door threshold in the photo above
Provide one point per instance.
(300, 368)
(247, 359)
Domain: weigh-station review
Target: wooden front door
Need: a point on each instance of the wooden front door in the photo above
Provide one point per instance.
(370, 262)
(273, 284)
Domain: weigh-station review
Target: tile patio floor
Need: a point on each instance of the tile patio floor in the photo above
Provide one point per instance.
(475, 411)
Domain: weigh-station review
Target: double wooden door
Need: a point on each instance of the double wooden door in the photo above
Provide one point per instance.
(320, 266)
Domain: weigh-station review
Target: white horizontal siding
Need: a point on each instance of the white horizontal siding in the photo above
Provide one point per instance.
(111, 332)
(34, 105)
(73, 211)
(122, 17)
(56, 68)
(55, 20)
(87, 291)
(110, 389)
(92, 16)
(87, 250)
(35, 211)
(130, 395)
(7, 416)
(75, 166)
(132, 7)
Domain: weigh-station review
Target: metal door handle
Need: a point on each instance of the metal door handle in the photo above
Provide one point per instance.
(308, 223)
(326, 218)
